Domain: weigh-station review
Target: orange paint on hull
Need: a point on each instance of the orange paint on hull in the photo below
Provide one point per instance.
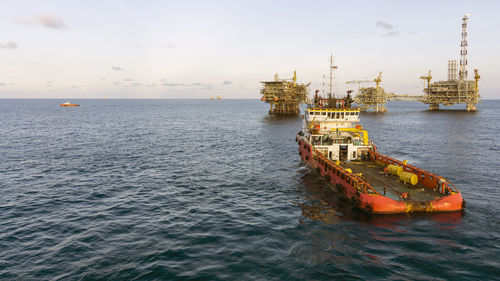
(375, 203)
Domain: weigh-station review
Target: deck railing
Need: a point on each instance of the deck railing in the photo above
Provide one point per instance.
(356, 181)
(427, 178)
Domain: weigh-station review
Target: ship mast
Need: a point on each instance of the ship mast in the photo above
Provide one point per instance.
(332, 67)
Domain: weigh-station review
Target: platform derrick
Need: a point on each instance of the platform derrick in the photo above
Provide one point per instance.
(284, 95)
(457, 89)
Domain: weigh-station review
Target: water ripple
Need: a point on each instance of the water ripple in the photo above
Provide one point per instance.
(192, 189)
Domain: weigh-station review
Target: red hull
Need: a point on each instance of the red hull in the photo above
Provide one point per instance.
(365, 197)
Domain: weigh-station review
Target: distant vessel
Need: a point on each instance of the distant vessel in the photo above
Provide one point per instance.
(69, 104)
(335, 145)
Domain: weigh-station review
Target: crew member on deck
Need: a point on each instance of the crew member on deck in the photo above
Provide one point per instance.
(316, 99)
(348, 99)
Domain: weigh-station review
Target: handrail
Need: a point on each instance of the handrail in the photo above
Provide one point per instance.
(364, 186)
(428, 179)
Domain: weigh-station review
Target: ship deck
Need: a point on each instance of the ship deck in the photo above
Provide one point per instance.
(374, 175)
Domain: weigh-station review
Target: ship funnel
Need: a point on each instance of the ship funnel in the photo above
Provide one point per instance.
(452, 70)
(276, 78)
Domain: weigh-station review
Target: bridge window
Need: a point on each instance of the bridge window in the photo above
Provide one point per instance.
(323, 113)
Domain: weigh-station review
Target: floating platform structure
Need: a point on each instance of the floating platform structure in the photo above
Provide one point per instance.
(284, 95)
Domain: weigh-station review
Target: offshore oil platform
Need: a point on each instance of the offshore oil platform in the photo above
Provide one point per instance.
(457, 89)
(284, 95)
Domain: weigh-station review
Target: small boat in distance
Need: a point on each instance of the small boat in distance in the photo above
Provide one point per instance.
(69, 104)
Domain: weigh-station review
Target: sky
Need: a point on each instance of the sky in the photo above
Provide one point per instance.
(198, 49)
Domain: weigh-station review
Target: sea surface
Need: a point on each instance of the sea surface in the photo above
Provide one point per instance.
(215, 190)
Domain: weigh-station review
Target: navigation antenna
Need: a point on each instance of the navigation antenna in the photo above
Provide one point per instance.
(332, 67)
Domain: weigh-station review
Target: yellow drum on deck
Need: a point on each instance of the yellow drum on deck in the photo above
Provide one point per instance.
(395, 170)
(408, 178)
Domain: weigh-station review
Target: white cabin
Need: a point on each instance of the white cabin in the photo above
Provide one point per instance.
(336, 133)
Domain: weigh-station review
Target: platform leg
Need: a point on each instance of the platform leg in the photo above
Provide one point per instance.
(471, 107)
(434, 106)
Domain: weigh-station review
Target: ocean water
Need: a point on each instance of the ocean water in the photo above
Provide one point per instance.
(215, 190)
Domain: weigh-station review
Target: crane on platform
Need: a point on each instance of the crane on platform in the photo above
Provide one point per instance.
(428, 78)
(376, 80)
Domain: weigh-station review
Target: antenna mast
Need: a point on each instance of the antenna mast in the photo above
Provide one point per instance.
(332, 67)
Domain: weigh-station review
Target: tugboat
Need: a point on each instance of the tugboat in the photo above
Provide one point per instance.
(69, 104)
(336, 146)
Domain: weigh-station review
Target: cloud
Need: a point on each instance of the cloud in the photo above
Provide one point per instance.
(52, 21)
(117, 68)
(391, 34)
(192, 84)
(174, 84)
(9, 45)
(227, 82)
(24, 22)
(168, 46)
(128, 79)
(384, 25)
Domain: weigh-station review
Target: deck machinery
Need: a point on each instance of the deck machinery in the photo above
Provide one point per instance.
(284, 95)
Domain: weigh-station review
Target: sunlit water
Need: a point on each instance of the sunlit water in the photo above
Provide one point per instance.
(204, 189)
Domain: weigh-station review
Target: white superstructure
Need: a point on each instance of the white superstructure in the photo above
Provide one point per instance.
(336, 133)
